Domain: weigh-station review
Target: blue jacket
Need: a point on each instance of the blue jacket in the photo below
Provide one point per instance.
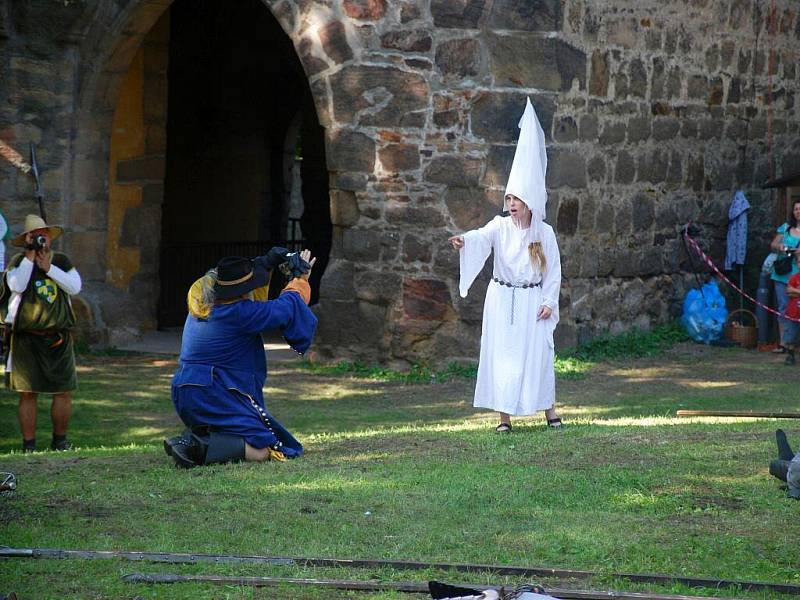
(223, 368)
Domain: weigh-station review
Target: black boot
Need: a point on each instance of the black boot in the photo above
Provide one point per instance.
(779, 468)
(209, 449)
(28, 446)
(785, 451)
(176, 440)
(60, 443)
(223, 448)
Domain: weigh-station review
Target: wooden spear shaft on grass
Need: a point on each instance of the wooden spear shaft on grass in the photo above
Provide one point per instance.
(738, 413)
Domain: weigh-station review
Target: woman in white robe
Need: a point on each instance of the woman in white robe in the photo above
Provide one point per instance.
(515, 374)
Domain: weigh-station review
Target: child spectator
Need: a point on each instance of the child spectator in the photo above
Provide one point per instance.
(792, 328)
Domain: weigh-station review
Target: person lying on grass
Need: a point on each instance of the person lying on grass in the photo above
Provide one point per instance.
(217, 389)
(787, 466)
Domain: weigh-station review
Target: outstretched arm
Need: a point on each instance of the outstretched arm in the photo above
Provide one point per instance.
(474, 248)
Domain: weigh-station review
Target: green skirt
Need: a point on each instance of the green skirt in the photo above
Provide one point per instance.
(42, 363)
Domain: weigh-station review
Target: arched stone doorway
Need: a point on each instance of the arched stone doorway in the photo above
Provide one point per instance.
(201, 113)
(236, 87)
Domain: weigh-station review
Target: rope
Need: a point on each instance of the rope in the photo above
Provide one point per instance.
(722, 276)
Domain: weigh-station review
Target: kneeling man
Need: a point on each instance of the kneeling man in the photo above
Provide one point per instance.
(217, 389)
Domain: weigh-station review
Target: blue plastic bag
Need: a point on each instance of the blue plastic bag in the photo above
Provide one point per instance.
(704, 314)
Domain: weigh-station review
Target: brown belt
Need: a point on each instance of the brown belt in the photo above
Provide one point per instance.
(42, 332)
(45, 332)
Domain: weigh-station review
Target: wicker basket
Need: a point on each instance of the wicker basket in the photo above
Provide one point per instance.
(736, 331)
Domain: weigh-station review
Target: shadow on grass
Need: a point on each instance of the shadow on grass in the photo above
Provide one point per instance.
(126, 399)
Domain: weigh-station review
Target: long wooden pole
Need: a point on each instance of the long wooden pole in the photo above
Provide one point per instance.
(532, 572)
(738, 413)
(381, 586)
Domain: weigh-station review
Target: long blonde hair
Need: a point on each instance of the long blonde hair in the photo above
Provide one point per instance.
(537, 256)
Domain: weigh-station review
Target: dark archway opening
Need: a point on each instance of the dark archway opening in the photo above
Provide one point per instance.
(245, 163)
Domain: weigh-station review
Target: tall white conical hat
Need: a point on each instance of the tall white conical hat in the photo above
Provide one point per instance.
(527, 177)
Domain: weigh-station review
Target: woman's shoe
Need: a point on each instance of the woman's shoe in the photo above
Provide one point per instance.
(779, 350)
(555, 423)
(503, 428)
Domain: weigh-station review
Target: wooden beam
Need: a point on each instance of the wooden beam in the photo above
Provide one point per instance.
(738, 413)
(513, 571)
(380, 586)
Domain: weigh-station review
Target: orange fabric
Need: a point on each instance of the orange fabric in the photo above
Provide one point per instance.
(273, 454)
(300, 286)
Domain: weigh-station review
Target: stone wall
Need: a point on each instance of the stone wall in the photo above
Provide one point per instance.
(655, 113)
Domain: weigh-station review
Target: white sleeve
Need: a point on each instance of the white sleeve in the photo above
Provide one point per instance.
(69, 281)
(551, 282)
(478, 245)
(19, 276)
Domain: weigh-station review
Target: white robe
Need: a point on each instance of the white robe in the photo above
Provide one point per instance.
(515, 373)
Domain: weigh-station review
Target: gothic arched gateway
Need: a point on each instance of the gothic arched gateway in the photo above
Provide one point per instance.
(214, 148)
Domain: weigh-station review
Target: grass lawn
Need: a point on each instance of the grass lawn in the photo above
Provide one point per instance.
(411, 472)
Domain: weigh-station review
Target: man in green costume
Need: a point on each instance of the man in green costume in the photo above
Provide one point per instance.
(42, 359)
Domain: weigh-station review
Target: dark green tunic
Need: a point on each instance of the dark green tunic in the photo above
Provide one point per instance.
(42, 353)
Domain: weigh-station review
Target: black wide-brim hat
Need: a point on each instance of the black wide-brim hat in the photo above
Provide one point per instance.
(236, 276)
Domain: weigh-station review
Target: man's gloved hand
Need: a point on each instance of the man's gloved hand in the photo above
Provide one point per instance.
(294, 266)
(272, 259)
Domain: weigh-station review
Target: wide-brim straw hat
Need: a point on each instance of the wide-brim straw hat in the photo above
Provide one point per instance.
(32, 223)
(236, 276)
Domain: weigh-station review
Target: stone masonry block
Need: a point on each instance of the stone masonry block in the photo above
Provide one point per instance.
(599, 78)
(334, 41)
(495, 115)
(470, 207)
(344, 208)
(367, 10)
(527, 61)
(377, 96)
(461, 14)
(567, 222)
(413, 216)
(415, 40)
(459, 57)
(527, 15)
(88, 249)
(626, 168)
(566, 169)
(377, 287)
(498, 166)
(350, 150)
(399, 157)
(454, 170)
(416, 249)
(426, 299)
(338, 281)
(565, 130)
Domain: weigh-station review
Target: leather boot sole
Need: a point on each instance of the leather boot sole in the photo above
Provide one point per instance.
(182, 459)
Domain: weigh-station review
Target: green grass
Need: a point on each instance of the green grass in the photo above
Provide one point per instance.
(635, 343)
(409, 471)
(571, 364)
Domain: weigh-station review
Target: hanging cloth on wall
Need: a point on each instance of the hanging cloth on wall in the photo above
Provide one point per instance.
(736, 252)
